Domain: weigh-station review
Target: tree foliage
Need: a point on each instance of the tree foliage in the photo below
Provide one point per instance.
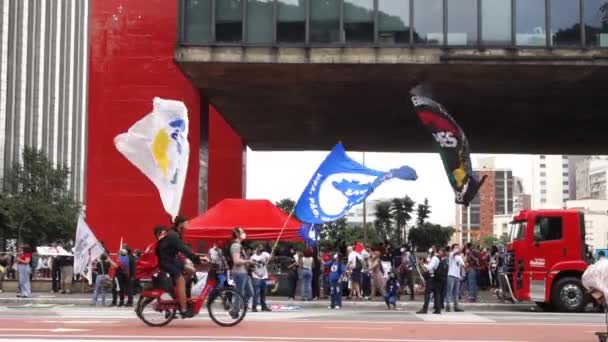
(428, 234)
(423, 212)
(401, 212)
(37, 206)
(287, 204)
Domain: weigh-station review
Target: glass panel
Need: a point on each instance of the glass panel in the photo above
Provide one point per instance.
(531, 24)
(291, 21)
(462, 22)
(496, 22)
(565, 27)
(359, 20)
(228, 21)
(428, 22)
(394, 21)
(197, 25)
(259, 21)
(596, 22)
(324, 21)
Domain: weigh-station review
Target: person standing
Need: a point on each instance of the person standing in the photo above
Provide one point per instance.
(472, 261)
(67, 273)
(326, 257)
(337, 270)
(103, 270)
(316, 275)
(240, 267)
(3, 269)
(218, 264)
(432, 285)
(354, 266)
(261, 258)
(292, 275)
(376, 272)
(25, 270)
(392, 288)
(456, 268)
(307, 266)
(408, 262)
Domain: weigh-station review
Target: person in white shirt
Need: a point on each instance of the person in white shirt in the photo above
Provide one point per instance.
(431, 284)
(456, 263)
(354, 266)
(261, 258)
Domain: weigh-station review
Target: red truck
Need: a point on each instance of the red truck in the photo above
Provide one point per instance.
(545, 259)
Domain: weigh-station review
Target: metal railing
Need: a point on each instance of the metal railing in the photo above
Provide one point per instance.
(578, 24)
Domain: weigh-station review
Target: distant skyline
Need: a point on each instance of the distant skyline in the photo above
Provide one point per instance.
(278, 175)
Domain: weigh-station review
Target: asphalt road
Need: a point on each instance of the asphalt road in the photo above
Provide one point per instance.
(66, 323)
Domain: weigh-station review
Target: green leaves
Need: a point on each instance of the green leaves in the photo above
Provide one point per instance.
(429, 234)
(37, 205)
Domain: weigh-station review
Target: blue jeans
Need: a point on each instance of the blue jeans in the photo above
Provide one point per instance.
(242, 284)
(336, 294)
(259, 293)
(221, 279)
(24, 280)
(472, 284)
(306, 284)
(99, 288)
(390, 299)
(453, 291)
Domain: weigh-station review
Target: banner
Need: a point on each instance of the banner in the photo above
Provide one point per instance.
(453, 147)
(310, 234)
(52, 251)
(86, 250)
(158, 146)
(339, 184)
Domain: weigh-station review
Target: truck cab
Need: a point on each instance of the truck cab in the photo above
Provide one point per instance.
(545, 259)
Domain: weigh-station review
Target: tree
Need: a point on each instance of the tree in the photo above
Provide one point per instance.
(37, 206)
(401, 212)
(383, 222)
(287, 204)
(423, 212)
(428, 234)
(335, 231)
(490, 241)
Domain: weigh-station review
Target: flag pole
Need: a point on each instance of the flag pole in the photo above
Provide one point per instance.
(276, 243)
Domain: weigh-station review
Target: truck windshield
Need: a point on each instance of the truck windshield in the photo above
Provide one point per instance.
(518, 230)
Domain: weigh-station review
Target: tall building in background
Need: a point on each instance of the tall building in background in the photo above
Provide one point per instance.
(550, 181)
(43, 83)
(591, 178)
(494, 198)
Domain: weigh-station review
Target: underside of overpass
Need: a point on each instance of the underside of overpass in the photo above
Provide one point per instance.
(507, 101)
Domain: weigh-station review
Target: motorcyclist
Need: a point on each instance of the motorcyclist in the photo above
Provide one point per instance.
(168, 248)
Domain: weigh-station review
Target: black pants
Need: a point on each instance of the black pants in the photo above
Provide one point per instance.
(407, 279)
(366, 284)
(56, 279)
(316, 289)
(434, 287)
(292, 277)
(125, 288)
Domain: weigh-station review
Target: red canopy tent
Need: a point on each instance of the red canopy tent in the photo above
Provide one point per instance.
(260, 219)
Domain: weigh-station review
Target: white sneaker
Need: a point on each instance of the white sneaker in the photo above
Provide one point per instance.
(337, 308)
(329, 307)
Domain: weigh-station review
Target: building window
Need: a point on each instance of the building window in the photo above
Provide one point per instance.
(548, 229)
(542, 166)
(543, 183)
(462, 22)
(531, 24)
(291, 21)
(259, 21)
(543, 191)
(543, 174)
(496, 22)
(565, 174)
(596, 30)
(566, 183)
(394, 22)
(543, 156)
(566, 192)
(565, 25)
(359, 21)
(428, 22)
(228, 21)
(325, 21)
(197, 21)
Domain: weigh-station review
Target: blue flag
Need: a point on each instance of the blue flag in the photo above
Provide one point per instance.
(310, 234)
(339, 184)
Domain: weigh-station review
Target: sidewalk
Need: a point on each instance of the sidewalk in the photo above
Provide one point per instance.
(487, 301)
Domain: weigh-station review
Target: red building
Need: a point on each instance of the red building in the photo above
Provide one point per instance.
(130, 62)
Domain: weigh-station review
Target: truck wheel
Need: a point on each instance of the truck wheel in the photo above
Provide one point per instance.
(568, 295)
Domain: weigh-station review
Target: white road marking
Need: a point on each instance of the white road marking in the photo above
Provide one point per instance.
(455, 318)
(57, 330)
(357, 328)
(97, 338)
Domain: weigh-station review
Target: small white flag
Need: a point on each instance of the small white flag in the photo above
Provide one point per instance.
(158, 146)
(86, 250)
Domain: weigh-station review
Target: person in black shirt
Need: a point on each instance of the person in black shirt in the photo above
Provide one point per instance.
(169, 245)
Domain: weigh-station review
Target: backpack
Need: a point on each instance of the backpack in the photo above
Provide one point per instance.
(148, 263)
(407, 264)
(358, 264)
(441, 273)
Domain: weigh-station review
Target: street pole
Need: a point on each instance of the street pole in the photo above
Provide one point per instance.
(364, 212)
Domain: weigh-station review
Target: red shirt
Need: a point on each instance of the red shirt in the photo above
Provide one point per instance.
(326, 258)
(25, 256)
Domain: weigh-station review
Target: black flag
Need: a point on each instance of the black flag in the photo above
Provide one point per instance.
(453, 148)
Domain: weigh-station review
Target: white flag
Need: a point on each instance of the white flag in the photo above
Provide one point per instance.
(158, 146)
(86, 250)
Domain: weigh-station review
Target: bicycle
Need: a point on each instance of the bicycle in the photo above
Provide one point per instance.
(220, 302)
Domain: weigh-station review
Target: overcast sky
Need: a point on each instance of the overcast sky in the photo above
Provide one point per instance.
(278, 175)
